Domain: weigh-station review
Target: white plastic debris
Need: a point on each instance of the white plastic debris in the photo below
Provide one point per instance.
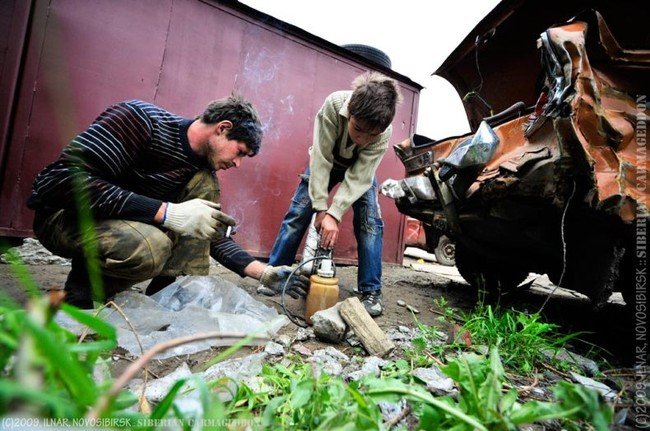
(189, 306)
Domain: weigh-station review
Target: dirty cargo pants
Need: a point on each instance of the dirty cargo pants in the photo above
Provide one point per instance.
(367, 223)
(128, 252)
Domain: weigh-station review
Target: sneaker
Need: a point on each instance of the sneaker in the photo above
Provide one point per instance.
(372, 302)
(263, 290)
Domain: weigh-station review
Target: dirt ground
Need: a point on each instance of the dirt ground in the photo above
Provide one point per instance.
(608, 328)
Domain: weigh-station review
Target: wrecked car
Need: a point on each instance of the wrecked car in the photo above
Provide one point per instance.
(555, 183)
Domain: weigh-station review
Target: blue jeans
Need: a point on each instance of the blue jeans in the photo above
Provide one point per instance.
(368, 230)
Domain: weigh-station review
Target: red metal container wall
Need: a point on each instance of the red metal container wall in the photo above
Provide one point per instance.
(82, 56)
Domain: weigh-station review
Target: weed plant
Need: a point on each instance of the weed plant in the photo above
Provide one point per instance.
(521, 337)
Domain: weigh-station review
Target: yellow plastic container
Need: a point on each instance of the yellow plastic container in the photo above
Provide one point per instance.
(323, 294)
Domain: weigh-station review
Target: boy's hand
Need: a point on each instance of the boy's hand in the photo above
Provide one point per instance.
(328, 227)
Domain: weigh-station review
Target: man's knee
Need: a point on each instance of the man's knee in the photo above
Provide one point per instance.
(132, 250)
(203, 185)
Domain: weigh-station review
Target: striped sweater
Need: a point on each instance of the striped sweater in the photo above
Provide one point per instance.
(132, 158)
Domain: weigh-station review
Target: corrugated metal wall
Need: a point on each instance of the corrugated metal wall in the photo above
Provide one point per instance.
(66, 60)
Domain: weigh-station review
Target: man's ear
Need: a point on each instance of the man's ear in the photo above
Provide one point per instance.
(223, 126)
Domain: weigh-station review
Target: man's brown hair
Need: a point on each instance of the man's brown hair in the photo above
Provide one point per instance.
(374, 100)
(246, 125)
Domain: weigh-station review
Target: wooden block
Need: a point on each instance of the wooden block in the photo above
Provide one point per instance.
(372, 337)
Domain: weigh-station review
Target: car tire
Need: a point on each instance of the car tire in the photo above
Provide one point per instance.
(480, 273)
(370, 53)
(445, 252)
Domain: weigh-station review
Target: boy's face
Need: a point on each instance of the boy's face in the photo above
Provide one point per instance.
(360, 134)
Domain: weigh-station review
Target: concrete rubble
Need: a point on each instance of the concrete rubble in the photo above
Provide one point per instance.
(436, 382)
(607, 392)
(33, 253)
(587, 365)
(329, 325)
(329, 360)
(274, 349)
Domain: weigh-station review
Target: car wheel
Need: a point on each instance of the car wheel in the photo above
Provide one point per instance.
(485, 275)
(445, 251)
(371, 53)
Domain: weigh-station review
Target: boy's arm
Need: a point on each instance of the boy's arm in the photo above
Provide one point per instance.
(322, 158)
(357, 181)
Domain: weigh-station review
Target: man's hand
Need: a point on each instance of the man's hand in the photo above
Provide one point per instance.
(274, 277)
(328, 227)
(197, 218)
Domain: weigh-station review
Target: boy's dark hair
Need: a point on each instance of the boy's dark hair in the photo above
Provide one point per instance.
(374, 100)
(246, 125)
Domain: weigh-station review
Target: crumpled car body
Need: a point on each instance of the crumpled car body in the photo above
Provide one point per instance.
(556, 188)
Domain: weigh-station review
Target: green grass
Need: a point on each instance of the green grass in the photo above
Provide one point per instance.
(521, 337)
(47, 373)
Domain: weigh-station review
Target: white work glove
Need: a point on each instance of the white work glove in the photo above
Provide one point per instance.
(197, 218)
(274, 277)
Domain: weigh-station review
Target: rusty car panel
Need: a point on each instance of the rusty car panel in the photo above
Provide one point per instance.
(563, 182)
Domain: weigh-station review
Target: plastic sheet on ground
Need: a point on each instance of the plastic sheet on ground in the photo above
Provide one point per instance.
(189, 306)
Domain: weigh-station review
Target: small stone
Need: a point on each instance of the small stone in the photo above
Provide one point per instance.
(299, 348)
(329, 325)
(329, 360)
(304, 334)
(606, 391)
(587, 365)
(352, 339)
(412, 309)
(436, 381)
(392, 410)
(401, 303)
(274, 349)
(404, 329)
(284, 340)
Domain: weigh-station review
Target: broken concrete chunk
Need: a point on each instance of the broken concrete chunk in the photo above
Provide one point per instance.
(352, 339)
(236, 368)
(328, 324)
(157, 389)
(284, 340)
(436, 381)
(274, 349)
(372, 337)
(587, 365)
(329, 360)
(389, 410)
(299, 348)
(31, 252)
(396, 334)
(304, 334)
(371, 366)
(606, 391)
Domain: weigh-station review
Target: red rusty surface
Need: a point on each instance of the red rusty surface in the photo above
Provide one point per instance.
(83, 56)
(600, 137)
(414, 235)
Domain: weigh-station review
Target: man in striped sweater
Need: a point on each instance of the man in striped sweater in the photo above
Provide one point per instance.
(137, 190)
